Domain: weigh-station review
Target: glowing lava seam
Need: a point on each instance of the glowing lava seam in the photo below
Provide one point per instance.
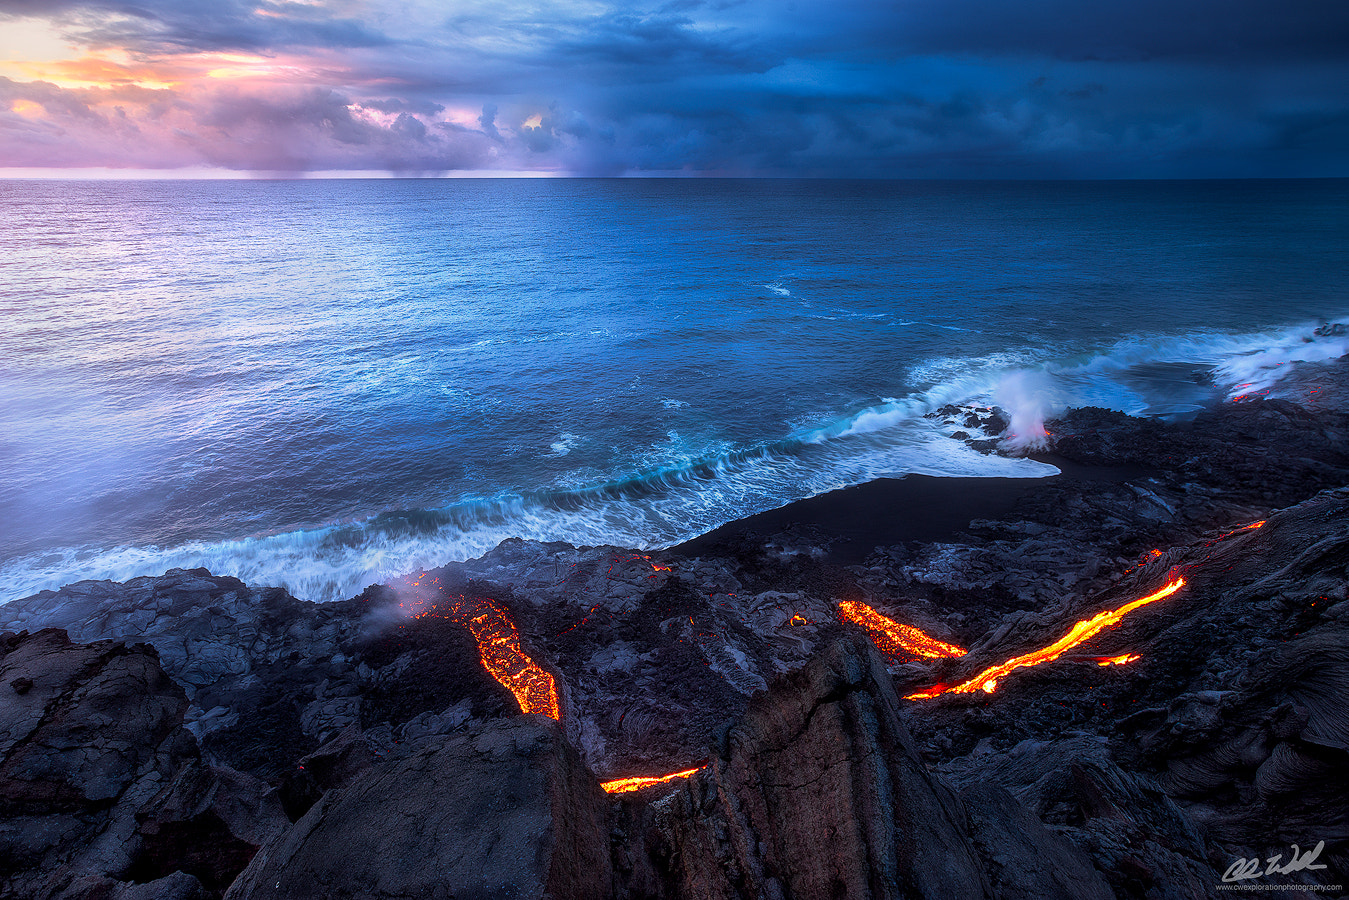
(504, 659)
(1122, 659)
(637, 782)
(1250, 527)
(893, 637)
(987, 680)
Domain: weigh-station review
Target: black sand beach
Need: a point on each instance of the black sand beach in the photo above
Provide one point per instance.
(849, 524)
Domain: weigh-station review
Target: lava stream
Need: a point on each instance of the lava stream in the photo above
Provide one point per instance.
(504, 659)
(893, 637)
(1251, 527)
(637, 782)
(1120, 660)
(987, 680)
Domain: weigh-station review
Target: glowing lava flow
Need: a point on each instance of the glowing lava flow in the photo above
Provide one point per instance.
(1250, 527)
(636, 783)
(894, 638)
(504, 659)
(1120, 660)
(987, 680)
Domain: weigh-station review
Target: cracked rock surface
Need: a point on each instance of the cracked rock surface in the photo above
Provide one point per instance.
(103, 792)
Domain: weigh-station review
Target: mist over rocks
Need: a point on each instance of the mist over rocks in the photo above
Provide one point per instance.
(290, 726)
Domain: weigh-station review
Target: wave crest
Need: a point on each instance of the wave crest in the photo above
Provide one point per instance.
(689, 495)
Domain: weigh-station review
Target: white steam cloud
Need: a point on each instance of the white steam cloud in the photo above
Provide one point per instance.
(1025, 396)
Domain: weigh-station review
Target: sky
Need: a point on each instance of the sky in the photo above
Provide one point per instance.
(812, 88)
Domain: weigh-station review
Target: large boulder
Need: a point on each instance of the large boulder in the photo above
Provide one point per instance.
(103, 793)
(87, 733)
(819, 792)
(508, 810)
(1132, 831)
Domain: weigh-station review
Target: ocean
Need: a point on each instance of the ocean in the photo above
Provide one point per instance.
(325, 384)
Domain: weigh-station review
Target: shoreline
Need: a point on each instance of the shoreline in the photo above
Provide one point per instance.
(853, 522)
(275, 703)
(849, 523)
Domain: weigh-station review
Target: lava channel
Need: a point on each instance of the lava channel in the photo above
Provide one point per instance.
(1251, 527)
(637, 782)
(894, 638)
(504, 659)
(987, 680)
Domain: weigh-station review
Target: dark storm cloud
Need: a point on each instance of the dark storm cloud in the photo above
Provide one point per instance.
(1235, 30)
(934, 117)
(296, 131)
(748, 35)
(656, 43)
(397, 105)
(488, 121)
(945, 88)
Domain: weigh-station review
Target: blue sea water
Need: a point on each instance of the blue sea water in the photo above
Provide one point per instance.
(323, 384)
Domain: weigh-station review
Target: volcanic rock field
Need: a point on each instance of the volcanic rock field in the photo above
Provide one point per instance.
(192, 736)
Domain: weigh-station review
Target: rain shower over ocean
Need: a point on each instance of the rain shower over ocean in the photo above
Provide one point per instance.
(323, 384)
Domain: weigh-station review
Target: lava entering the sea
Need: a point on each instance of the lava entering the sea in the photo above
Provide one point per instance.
(894, 638)
(502, 656)
(987, 680)
(637, 782)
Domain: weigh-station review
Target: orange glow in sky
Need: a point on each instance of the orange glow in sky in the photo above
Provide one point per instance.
(34, 50)
(100, 71)
(26, 108)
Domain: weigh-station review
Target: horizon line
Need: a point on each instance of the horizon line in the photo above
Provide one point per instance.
(204, 173)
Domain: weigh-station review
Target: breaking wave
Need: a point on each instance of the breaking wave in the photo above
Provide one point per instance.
(689, 495)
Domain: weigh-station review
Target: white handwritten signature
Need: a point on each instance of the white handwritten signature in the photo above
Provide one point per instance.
(1250, 868)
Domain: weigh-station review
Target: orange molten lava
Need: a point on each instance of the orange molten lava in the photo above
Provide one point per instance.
(632, 557)
(894, 638)
(502, 657)
(1116, 660)
(1250, 527)
(987, 680)
(637, 782)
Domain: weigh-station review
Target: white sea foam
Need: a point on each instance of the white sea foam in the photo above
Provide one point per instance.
(1031, 387)
(689, 488)
(1264, 369)
(677, 503)
(565, 443)
(312, 565)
